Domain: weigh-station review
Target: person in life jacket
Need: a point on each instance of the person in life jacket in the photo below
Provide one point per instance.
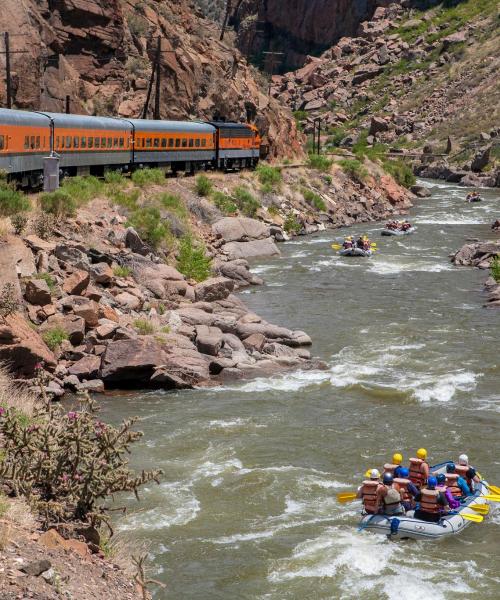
(432, 502)
(391, 498)
(406, 488)
(453, 503)
(370, 492)
(459, 482)
(419, 468)
(348, 243)
(395, 467)
(468, 472)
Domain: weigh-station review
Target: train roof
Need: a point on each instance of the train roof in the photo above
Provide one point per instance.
(171, 126)
(225, 125)
(87, 122)
(22, 117)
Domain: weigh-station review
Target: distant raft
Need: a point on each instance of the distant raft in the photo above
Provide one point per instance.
(398, 231)
(355, 252)
(402, 527)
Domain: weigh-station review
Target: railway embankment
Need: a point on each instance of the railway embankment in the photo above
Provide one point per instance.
(131, 282)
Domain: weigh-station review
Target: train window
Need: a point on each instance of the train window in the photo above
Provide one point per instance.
(177, 143)
(68, 141)
(191, 143)
(97, 142)
(164, 142)
(156, 143)
(203, 142)
(27, 142)
(76, 142)
(171, 142)
(2, 142)
(110, 142)
(115, 142)
(103, 142)
(84, 142)
(37, 142)
(32, 142)
(91, 142)
(197, 142)
(148, 143)
(122, 143)
(184, 143)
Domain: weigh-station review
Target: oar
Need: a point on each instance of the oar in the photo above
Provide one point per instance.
(336, 246)
(347, 497)
(471, 517)
(493, 488)
(482, 509)
(491, 497)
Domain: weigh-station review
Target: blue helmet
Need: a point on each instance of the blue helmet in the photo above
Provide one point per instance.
(404, 472)
(450, 468)
(388, 479)
(432, 482)
(441, 478)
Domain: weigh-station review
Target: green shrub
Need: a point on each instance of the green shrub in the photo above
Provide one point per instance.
(126, 199)
(495, 268)
(59, 203)
(192, 261)
(269, 176)
(245, 201)
(224, 203)
(43, 225)
(291, 224)
(49, 280)
(174, 204)
(144, 326)
(147, 177)
(266, 188)
(82, 189)
(54, 337)
(354, 168)
(336, 136)
(114, 178)
(148, 223)
(273, 210)
(401, 172)
(12, 202)
(203, 186)
(319, 162)
(120, 271)
(328, 179)
(314, 199)
(8, 300)
(19, 222)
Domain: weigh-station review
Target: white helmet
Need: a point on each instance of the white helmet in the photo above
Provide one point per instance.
(463, 459)
(374, 474)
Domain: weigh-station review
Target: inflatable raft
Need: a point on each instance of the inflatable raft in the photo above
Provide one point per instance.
(474, 199)
(398, 231)
(355, 252)
(406, 526)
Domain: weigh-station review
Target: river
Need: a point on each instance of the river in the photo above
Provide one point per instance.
(247, 507)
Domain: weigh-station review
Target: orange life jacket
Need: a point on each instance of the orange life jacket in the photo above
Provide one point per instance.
(463, 471)
(451, 482)
(416, 474)
(388, 468)
(402, 486)
(370, 497)
(429, 501)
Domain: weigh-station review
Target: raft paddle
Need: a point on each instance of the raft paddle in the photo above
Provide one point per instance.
(347, 497)
(471, 517)
(482, 509)
(336, 246)
(493, 488)
(491, 497)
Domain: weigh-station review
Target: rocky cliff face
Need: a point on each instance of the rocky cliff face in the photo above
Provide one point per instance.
(99, 52)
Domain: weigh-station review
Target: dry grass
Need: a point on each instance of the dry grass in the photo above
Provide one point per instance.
(12, 395)
(14, 514)
(5, 227)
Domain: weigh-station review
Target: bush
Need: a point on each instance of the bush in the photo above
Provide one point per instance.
(58, 203)
(43, 225)
(192, 261)
(47, 277)
(291, 224)
(245, 201)
(82, 189)
(273, 210)
(126, 199)
(12, 202)
(120, 271)
(54, 337)
(495, 268)
(174, 204)
(314, 199)
(144, 326)
(148, 223)
(147, 177)
(114, 178)
(328, 179)
(354, 168)
(65, 463)
(19, 222)
(401, 172)
(8, 300)
(224, 203)
(270, 177)
(319, 162)
(203, 186)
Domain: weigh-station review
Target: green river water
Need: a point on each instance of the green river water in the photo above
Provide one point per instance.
(247, 509)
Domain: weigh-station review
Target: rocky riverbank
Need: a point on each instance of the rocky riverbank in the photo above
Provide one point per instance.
(101, 308)
(481, 255)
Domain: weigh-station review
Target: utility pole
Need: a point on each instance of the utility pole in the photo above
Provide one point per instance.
(226, 19)
(273, 61)
(317, 131)
(8, 80)
(68, 105)
(158, 80)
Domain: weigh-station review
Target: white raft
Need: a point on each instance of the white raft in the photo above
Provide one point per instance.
(355, 252)
(398, 231)
(407, 526)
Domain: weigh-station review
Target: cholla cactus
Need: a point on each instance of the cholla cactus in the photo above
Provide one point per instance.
(68, 463)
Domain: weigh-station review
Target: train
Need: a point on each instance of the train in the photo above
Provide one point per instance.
(89, 145)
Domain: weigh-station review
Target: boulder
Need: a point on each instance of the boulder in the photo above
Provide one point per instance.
(183, 369)
(215, 288)
(256, 341)
(264, 247)
(131, 361)
(72, 255)
(22, 348)
(94, 386)
(37, 292)
(86, 368)
(208, 340)
(127, 300)
(195, 316)
(135, 243)
(240, 229)
(237, 270)
(73, 325)
(101, 273)
(378, 125)
(420, 191)
(106, 329)
(458, 37)
(481, 160)
(89, 311)
(76, 283)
